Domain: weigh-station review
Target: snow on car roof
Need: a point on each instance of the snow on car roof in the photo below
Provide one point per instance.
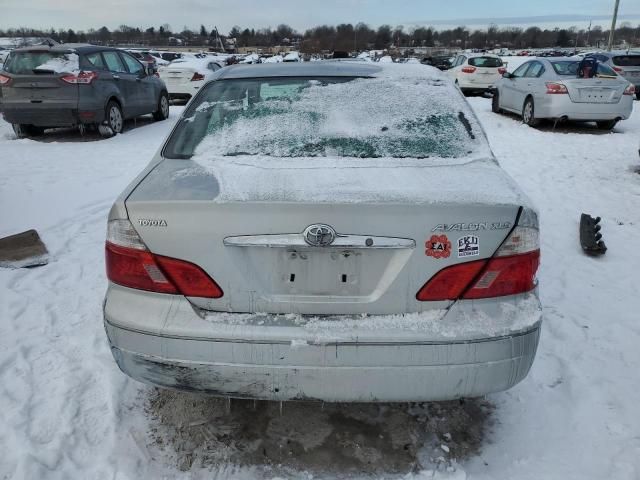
(196, 63)
(331, 69)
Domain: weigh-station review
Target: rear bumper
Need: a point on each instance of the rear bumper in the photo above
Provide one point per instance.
(43, 115)
(183, 90)
(558, 106)
(478, 85)
(275, 358)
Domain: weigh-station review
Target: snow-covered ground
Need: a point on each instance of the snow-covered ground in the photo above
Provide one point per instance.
(67, 412)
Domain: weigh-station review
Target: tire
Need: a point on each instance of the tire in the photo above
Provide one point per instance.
(114, 120)
(528, 112)
(162, 113)
(607, 125)
(495, 102)
(25, 131)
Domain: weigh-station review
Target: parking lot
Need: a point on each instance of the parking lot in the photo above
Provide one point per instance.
(68, 412)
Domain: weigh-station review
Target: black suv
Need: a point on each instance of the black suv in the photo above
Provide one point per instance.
(77, 85)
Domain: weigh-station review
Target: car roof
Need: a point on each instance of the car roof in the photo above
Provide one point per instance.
(301, 69)
(480, 54)
(66, 48)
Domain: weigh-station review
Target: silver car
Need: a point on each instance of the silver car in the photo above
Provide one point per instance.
(551, 88)
(336, 231)
(625, 63)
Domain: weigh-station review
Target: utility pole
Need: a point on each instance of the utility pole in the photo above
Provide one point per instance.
(589, 35)
(613, 26)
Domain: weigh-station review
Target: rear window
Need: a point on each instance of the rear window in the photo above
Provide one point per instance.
(29, 63)
(627, 61)
(485, 62)
(570, 68)
(325, 117)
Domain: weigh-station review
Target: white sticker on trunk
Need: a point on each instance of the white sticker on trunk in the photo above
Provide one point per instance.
(468, 246)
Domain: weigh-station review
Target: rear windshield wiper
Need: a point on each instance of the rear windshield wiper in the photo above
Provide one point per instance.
(467, 124)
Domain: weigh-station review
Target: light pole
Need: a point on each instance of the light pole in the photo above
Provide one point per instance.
(613, 25)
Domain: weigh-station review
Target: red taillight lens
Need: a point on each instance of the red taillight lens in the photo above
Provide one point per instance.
(618, 70)
(468, 69)
(142, 270)
(506, 276)
(189, 279)
(556, 88)
(83, 78)
(451, 282)
(491, 278)
(197, 77)
(4, 80)
(135, 269)
(502, 70)
(630, 90)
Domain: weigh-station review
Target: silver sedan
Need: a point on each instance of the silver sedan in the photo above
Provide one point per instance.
(552, 89)
(337, 231)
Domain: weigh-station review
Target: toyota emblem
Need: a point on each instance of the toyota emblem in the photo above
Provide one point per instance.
(319, 235)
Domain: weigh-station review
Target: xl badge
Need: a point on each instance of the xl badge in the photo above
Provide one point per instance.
(468, 246)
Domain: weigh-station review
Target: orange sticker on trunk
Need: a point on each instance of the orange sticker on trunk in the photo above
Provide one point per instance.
(438, 246)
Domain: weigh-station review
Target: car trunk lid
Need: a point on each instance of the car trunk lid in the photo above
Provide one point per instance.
(595, 90)
(397, 226)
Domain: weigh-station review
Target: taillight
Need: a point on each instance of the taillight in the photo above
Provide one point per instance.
(451, 282)
(4, 80)
(131, 264)
(83, 78)
(197, 77)
(468, 69)
(556, 88)
(510, 271)
(506, 276)
(618, 70)
(630, 90)
(502, 70)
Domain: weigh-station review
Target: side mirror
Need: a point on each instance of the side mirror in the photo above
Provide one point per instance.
(150, 70)
(507, 75)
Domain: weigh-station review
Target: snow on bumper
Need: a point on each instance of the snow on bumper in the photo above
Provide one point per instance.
(472, 349)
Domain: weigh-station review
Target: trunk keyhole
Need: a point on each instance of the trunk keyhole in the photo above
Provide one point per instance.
(292, 277)
(344, 278)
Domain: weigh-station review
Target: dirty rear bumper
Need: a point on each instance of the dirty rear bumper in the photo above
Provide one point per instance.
(161, 340)
(445, 370)
(47, 115)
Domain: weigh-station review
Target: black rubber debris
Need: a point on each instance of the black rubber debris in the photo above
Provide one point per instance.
(590, 236)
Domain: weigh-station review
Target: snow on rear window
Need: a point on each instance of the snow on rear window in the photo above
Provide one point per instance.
(68, 62)
(341, 117)
(28, 63)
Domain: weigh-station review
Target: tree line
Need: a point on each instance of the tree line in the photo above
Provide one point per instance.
(344, 37)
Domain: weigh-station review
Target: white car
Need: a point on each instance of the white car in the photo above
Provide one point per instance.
(185, 76)
(476, 72)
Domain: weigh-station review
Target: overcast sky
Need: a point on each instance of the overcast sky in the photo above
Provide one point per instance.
(301, 14)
